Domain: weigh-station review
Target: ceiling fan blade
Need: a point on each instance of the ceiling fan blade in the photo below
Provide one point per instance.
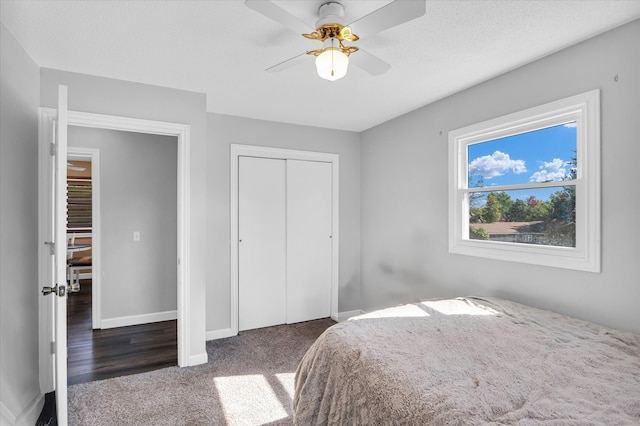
(395, 13)
(278, 14)
(291, 62)
(369, 63)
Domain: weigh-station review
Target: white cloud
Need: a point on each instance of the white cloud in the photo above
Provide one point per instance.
(571, 125)
(553, 170)
(496, 164)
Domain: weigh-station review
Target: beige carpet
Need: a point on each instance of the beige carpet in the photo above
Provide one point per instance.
(247, 381)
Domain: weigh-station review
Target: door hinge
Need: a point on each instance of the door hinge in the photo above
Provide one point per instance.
(52, 247)
(53, 347)
(52, 149)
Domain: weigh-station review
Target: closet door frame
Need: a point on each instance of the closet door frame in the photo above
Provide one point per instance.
(238, 151)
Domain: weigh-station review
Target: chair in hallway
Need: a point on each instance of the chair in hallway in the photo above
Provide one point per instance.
(75, 264)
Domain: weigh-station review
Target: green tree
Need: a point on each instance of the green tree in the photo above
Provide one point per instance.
(505, 204)
(478, 234)
(562, 206)
(492, 211)
(475, 215)
(536, 209)
(518, 212)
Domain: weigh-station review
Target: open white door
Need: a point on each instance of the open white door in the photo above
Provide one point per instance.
(59, 288)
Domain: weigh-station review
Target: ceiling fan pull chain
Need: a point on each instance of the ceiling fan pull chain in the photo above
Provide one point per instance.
(332, 50)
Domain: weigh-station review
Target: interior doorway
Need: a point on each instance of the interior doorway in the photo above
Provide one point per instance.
(83, 220)
(123, 318)
(89, 120)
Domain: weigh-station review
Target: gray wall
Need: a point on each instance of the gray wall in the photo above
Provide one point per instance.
(405, 201)
(138, 192)
(19, 98)
(224, 130)
(115, 97)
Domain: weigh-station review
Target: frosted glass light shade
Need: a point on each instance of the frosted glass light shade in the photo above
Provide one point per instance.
(332, 64)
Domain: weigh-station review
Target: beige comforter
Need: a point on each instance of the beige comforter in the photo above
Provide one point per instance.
(469, 361)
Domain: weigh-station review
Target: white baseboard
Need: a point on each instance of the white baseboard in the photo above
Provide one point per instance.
(219, 334)
(226, 332)
(28, 417)
(138, 319)
(343, 316)
(198, 359)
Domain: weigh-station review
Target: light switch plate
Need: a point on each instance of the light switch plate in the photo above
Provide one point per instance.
(136, 235)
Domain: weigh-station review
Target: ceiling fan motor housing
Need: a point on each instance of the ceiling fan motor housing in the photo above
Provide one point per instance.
(330, 13)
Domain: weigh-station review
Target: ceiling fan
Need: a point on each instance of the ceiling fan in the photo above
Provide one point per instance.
(332, 59)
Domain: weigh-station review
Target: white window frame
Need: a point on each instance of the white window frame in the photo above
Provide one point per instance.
(584, 109)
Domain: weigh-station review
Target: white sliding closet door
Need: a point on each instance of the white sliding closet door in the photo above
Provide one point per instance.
(309, 195)
(262, 242)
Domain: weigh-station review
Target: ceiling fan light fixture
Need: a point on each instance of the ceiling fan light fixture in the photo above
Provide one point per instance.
(332, 63)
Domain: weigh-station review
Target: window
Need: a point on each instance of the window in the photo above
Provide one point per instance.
(526, 187)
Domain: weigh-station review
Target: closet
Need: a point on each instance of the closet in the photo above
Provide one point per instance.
(285, 247)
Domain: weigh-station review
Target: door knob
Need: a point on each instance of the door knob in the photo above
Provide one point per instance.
(60, 291)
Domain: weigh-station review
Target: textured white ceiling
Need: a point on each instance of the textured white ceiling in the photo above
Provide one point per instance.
(221, 48)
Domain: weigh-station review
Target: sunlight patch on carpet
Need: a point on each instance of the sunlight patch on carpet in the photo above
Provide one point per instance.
(288, 382)
(239, 408)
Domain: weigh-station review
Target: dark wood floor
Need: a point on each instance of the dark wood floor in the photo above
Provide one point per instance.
(102, 354)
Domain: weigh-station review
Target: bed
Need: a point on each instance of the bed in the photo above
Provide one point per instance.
(469, 361)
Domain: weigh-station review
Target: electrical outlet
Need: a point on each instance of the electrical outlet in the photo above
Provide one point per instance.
(136, 235)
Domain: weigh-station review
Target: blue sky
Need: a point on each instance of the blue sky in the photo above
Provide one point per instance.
(537, 156)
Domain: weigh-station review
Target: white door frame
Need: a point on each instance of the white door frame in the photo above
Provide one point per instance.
(182, 132)
(93, 155)
(284, 154)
